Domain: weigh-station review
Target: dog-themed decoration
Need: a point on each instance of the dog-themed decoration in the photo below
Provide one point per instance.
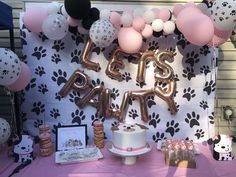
(23, 148)
(222, 147)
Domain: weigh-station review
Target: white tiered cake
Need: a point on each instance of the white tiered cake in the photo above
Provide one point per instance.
(128, 137)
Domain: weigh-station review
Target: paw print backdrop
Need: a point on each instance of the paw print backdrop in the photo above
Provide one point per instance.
(53, 62)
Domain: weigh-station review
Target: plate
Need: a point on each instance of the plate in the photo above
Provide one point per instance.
(129, 153)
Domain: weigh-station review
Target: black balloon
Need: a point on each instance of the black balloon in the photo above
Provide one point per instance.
(87, 23)
(77, 9)
(94, 13)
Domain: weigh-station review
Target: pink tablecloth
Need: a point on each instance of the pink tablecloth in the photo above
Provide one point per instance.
(148, 165)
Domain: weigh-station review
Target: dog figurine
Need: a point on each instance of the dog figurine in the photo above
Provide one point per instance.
(222, 147)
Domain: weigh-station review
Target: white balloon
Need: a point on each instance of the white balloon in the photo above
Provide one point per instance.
(157, 25)
(102, 33)
(126, 20)
(224, 14)
(53, 7)
(55, 27)
(149, 16)
(105, 14)
(10, 67)
(138, 12)
(5, 131)
(169, 27)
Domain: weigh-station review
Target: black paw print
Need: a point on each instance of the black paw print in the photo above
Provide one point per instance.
(140, 84)
(176, 77)
(203, 104)
(32, 84)
(55, 127)
(233, 12)
(154, 119)
(153, 46)
(158, 136)
(42, 36)
(189, 93)
(192, 58)
(204, 50)
(38, 108)
(205, 69)
(43, 88)
(58, 97)
(23, 58)
(94, 118)
(78, 38)
(211, 118)
(22, 37)
(209, 87)
(163, 85)
(192, 119)
(115, 93)
(116, 106)
(77, 116)
(115, 123)
(40, 71)
(56, 58)
(75, 56)
(39, 52)
(133, 113)
(59, 77)
(131, 101)
(37, 123)
(182, 41)
(54, 113)
(98, 50)
(96, 82)
(131, 58)
(188, 73)
(172, 127)
(172, 50)
(150, 101)
(74, 97)
(199, 133)
(126, 76)
(225, 4)
(58, 45)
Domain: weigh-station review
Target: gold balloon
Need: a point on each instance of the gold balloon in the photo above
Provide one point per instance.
(88, 98)
(163, 71)
(114, 65)
(124, 106)
(142, 95)
(167, 94)
(146, 56)
(86, 56)
(73, 84)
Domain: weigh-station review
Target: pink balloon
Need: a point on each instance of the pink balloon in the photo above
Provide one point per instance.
(190, 4)
(130, 41)
(147, 32)
(219, 37)
(164, 14)
(73, 22)
(115, 19)
(138, 24)
(199, 30)
(23, 80)
(177, 9)
(34, 17)
(186, 15)
(156, 11)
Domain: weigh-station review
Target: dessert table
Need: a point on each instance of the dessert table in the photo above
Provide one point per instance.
(148, 165)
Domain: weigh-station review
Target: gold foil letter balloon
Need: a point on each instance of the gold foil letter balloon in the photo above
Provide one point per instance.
(73, 83)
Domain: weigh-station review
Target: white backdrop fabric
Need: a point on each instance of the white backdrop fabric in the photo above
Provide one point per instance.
(53, 62)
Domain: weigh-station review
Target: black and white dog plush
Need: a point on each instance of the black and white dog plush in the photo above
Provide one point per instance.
(23, 148)
(222, 147)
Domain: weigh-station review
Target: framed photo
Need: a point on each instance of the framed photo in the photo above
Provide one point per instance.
(71, 137)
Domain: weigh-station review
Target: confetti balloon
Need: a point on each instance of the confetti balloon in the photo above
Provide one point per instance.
(55, 26)
(5, 131)
(102, 33)
(10, 67)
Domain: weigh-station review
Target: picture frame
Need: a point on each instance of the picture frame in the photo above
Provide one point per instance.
(71, 137)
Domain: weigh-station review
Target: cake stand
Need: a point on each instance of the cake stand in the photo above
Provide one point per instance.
(129, 157)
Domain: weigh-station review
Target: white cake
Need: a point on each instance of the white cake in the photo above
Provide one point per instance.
(127, 137)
